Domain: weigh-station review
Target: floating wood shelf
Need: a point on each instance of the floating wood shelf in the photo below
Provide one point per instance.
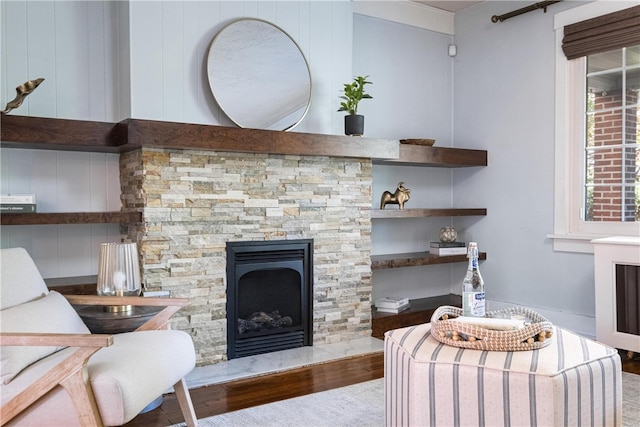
(59, 134)
(71, 218)
(76, 285)
(418, 155)
(424, 213)
(416, 259)
(420, 312)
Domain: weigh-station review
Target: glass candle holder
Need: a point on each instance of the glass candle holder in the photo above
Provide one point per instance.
(118, 272)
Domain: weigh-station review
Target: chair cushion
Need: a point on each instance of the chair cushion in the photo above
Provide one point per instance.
(49, 314)
(20, 280)
(136, 369)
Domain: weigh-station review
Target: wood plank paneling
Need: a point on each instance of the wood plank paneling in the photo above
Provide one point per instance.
(174, 50)
(99, 71)
(72, 60)
(40, 54)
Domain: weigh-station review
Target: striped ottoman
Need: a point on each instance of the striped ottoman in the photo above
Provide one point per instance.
(571, 382)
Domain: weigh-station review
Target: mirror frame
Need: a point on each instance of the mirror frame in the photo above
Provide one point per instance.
(217, 87)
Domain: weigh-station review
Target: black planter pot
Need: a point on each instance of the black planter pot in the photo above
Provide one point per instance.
(354, 124)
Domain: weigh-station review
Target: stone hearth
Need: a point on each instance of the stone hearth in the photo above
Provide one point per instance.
(194, 201)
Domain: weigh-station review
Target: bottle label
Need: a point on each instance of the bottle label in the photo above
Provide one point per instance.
(473, 304)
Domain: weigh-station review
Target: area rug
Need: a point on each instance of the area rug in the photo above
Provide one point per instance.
(361, 405)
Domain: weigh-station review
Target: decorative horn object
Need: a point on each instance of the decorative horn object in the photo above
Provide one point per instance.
(22, 92)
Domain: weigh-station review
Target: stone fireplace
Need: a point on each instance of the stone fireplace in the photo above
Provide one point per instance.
(195, 202)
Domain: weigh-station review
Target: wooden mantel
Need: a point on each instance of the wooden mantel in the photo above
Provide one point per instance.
(156, 134)
(130, 134)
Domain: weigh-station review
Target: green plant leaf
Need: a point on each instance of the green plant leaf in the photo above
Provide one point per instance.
(353, 94)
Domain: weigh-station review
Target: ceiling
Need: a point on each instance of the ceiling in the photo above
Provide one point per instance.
(450, 6)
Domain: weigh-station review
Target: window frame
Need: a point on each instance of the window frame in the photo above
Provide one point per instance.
(571, 233)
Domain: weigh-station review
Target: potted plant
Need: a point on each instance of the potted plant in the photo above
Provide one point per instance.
(353, 94)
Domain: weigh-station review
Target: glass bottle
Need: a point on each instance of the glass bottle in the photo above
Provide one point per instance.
(473, 302)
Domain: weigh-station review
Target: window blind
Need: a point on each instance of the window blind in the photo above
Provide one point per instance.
(603, 33)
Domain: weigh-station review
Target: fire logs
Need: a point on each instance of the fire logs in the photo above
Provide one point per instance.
(261, 320)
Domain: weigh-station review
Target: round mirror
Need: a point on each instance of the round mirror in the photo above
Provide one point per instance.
(259, 76)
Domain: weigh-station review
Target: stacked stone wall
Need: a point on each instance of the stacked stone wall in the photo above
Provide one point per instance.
(194, 202)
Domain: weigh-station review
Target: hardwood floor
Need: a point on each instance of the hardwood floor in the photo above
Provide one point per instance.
(221, 398)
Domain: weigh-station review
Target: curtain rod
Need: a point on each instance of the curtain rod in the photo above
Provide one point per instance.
(540, 5)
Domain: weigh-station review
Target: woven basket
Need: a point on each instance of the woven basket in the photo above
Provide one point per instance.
(457, 334)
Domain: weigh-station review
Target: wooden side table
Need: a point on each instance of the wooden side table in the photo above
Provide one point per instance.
(103, 322)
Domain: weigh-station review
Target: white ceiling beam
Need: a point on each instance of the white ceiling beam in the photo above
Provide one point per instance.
(409, 13)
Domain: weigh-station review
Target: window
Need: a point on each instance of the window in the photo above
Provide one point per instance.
(594, 200)
(611, 179)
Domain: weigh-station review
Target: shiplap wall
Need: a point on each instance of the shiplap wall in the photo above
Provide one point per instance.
(174, 37)
(75, 47)
(62, 181)
(107, 61)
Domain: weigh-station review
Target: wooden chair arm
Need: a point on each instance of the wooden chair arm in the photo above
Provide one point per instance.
(63, 340)
(70, 373)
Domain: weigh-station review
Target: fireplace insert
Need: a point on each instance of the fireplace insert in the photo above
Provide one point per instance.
(269, 296)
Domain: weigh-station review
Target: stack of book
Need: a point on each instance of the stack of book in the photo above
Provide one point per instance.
(17, 203)
(392, 304)
(448, 248)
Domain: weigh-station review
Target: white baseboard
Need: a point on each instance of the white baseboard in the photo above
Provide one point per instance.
(578, 323)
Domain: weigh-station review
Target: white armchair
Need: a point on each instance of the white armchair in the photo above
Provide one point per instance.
(54, 372)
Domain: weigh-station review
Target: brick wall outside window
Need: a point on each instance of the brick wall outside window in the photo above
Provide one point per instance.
(616, 165)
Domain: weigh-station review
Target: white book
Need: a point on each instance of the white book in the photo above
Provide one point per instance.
(17, 208)
(447, 244)
(391, 302)
(448, 251)
(18, 199)
(393, 310)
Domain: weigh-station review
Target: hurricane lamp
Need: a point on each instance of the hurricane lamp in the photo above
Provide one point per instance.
(118, 273)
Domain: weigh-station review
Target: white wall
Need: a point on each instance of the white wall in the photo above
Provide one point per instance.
(504, 102)
(411, 74)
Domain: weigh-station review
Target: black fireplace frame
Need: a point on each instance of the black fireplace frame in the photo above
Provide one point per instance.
(278, 253)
